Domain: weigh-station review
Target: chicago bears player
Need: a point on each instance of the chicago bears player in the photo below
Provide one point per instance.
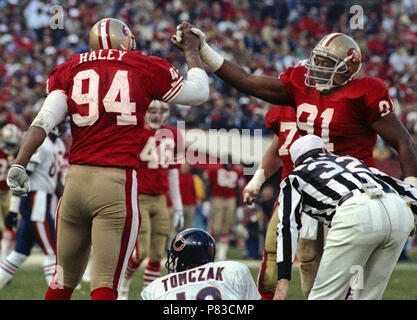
(37, 225)
(10, 139)
(223, 180)
(160, 156)
(346, 111)
(197, 277)
(106, 92)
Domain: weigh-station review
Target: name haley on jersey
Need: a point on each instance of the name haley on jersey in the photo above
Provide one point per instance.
(112, 54)
(200, 274)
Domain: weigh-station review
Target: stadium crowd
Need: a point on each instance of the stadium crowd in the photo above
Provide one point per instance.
(265, 36)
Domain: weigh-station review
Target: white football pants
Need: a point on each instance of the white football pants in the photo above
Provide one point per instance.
(362, 247)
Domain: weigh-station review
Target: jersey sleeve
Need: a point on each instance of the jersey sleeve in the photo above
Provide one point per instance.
(146, 293)
(56, 79)
(165, 82)
(377, 102)
(271, 120)
(289, 77)
(246, 285)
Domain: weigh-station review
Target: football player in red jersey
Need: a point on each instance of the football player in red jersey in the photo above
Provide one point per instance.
(223, 180)
(348, 112)
(160, 156)
(282, 120)
(10, 139)
(106, 92)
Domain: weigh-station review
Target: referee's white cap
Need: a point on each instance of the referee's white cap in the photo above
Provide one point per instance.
(305, 144)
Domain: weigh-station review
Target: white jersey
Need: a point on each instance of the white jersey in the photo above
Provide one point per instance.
(223, 280)
(45, 165)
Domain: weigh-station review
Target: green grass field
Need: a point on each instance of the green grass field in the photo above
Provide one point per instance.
(29, 282)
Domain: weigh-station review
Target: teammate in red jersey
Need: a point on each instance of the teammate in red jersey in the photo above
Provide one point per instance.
(330, 101)
(160, 156)
(106, 92)
(10, 139)
(223, 180)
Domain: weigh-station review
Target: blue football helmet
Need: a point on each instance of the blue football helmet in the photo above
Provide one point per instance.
(190, 248)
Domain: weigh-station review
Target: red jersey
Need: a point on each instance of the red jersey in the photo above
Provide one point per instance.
(188, 194)
(341, 118)
(283, 121)
(4, 167)
(159, 151)
(224, 182)
(108, 92)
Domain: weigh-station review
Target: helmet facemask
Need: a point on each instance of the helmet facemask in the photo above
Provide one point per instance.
(326, 71)
(171, 263)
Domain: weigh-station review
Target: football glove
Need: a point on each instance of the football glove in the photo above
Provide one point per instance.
(250, 192)
(18, 180)
(11, 220)
(178, 219)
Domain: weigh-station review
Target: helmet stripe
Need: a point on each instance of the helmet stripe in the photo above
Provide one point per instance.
(104, 34)
(331, 38)
(99, 29)
(108, 34)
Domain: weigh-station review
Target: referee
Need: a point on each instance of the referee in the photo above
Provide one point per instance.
(368, 212)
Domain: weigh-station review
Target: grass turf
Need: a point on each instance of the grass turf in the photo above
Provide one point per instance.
(29, 283)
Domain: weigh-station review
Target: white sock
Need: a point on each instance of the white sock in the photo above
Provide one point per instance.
(49, 267)
(9, 266)
(7, 243)
(221, 251)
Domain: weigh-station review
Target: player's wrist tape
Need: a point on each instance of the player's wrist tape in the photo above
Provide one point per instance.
(258, 178)
(14, 203)
(411, 180)
(210, 57)
(18, 166)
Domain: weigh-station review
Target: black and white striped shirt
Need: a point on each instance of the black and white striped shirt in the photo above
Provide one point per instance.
(315, 187)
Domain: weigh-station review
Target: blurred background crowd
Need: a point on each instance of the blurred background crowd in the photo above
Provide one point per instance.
(264, 36)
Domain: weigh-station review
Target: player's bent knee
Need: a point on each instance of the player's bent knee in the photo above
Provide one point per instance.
(307, 250)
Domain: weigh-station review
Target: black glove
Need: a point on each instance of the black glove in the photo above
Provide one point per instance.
(11, 220)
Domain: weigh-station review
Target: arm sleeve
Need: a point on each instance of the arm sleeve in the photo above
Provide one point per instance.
(289, 207)
(53, 111)
(166, 84)
(174, 188)
(195, 90)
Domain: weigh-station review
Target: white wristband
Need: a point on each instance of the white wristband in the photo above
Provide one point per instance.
(258, 178)
(411, 180)
(14, 203)
(210, 57)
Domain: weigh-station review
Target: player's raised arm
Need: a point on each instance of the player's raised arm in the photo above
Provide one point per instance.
(270, 89)
(196, 87)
